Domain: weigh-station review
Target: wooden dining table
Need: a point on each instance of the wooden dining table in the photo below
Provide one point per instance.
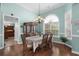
(36, 40)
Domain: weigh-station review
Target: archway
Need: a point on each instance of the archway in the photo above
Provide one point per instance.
(51, 24)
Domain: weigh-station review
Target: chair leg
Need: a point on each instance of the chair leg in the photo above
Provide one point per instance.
(23, 53)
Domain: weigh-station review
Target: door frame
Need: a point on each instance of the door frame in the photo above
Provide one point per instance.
(17, 22)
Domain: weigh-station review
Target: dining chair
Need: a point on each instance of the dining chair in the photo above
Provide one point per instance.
(24, 43)
(27, 46)
(43, 45)
(45, 48)
(49, 41)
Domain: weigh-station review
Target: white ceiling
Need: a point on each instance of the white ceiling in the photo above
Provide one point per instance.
(44, 7)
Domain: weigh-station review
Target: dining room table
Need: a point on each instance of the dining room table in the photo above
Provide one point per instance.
(36, 40)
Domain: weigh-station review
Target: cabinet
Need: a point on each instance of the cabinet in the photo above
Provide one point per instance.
(29, 29)
(8, 31)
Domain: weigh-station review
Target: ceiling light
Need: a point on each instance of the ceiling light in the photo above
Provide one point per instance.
(39, 19)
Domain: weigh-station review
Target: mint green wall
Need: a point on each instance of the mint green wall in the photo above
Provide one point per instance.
(75, 18)
(1, 30)
(39, 27)
(68, 8)
(0, 24)
(60, 13)
(75, 27)
(22, 14)
(18, 11)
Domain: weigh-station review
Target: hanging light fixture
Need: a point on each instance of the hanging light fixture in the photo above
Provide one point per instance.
(39, 19)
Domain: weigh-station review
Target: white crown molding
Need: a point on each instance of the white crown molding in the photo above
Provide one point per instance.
(62, 33)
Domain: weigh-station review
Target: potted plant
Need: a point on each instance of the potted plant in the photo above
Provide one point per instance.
(63, 39)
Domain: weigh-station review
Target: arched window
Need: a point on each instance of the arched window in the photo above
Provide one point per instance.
(51, 23)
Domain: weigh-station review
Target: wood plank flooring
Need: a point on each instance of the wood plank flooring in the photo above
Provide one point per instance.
(17, 50)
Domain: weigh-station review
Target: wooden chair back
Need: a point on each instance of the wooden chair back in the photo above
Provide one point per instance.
(45, 38)
(23, 38)
(50, 41)
(50, 37)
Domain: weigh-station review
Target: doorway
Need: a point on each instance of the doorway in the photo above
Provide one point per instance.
(9, 31)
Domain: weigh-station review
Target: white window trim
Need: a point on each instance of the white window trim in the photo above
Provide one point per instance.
(70, 24)
(58, 29)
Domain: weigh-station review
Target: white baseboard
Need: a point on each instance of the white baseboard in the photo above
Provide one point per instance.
(19, 42)
(63, 43)
(75, 52)
(1, 47)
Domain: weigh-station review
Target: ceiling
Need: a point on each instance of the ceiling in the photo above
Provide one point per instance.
(44, 7)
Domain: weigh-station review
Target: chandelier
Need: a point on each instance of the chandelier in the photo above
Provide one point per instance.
(39, 19)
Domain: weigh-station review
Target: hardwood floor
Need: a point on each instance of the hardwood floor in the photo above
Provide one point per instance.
(17, 50)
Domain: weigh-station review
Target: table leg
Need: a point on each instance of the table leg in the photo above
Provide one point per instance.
(34, 47)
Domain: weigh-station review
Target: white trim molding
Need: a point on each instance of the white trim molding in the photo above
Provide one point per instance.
(19, 42)
(75, 35)
(75, 52)
(63, 43)
(62, 33)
